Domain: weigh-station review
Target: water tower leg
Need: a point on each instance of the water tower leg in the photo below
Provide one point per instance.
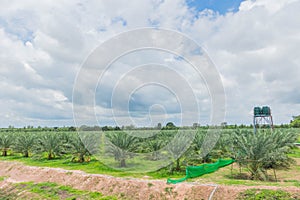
(254, 125)
(271, 121)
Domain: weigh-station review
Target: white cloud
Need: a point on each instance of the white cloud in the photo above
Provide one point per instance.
(43, 44)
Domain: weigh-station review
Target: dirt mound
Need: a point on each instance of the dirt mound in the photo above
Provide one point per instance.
(122, 187)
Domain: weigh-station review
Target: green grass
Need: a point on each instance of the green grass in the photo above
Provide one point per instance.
(295, 182)
(295, 153)
(257, 194)
(92, 167)
(224, 177)
(53, 191)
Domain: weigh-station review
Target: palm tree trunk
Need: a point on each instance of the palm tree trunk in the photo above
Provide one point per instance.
(231, 170)
(4, 152)
(50, 155)
(81, 158)
(177, 164)
(123, 163)
(274, 170)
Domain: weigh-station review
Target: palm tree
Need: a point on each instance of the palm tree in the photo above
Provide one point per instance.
(24, 143)
(51, 144)
(198, 145)
(6, 141)
(262, 151)
(86, 145)
(178, 146)
(278, 159)
(154, 146)
(120, 145)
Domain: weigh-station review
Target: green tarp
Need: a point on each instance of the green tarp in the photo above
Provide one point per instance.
(196, 171)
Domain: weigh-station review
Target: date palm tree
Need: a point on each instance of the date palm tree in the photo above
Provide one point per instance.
(121, 146)
(24, 143)
(262, 151)
(6, 142)
(51, 144)
(178, 146)
(154, 146)
(83, 146)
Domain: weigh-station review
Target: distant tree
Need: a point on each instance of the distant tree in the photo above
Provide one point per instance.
(105, 128)
(295, 123)
(170, 126)
(159, 125)
(130, 127)
(224, 124)
(196, 125)
(72, 128)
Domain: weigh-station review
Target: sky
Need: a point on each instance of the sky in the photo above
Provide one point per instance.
(253, 45)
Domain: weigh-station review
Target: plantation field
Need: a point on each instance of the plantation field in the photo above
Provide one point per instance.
(267, 159)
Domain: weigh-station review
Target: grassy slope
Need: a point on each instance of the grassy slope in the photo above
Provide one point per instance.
(49, 190)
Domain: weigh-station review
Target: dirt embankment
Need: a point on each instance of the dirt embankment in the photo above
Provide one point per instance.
(122, 187)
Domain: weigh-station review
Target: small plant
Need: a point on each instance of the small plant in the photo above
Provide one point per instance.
(150, 184)
(168, 190)
(2, 178)
(257, 194)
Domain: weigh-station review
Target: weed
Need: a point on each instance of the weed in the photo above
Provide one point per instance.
(150, 184)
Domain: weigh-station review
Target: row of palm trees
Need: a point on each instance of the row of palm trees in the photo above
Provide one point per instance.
(51, 145)
(258, 152)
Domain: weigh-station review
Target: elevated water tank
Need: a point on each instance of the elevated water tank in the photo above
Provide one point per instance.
(266, 111)
(257, 111)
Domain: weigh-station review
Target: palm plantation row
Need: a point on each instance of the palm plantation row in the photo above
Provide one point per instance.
(258, 153)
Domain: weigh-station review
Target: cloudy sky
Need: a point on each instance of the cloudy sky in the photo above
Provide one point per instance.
(43, 46)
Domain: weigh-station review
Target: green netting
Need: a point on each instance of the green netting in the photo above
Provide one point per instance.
(196, 171)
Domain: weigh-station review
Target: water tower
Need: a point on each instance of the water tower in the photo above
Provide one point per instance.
(262, 118)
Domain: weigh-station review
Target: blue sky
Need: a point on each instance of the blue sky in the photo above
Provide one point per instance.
(220, 6)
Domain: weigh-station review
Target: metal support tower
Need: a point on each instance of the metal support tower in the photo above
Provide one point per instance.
(262, 117)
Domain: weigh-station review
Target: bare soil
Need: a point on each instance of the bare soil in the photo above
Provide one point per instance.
(125, 188)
